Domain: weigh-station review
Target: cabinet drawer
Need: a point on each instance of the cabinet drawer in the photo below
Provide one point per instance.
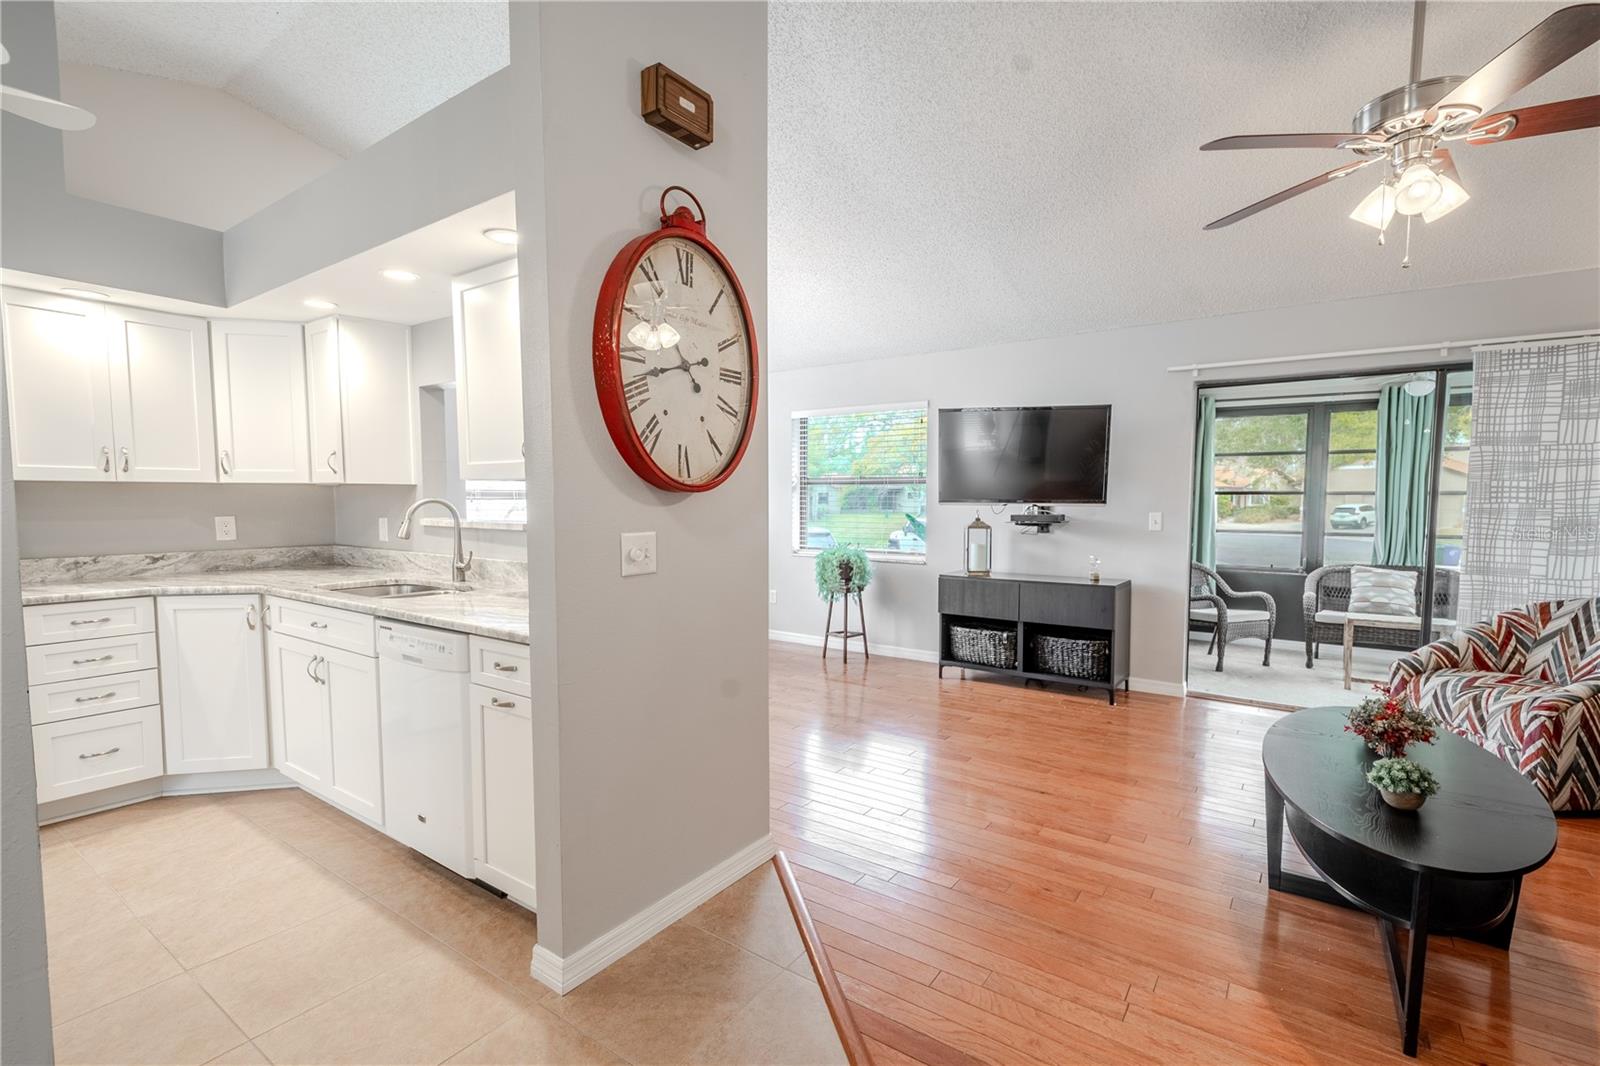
(501, 664)
(89, 754)
(95, 695)
(1088, 606)
(49, 663)
(979, 597)
(349, 630)
(53, 623)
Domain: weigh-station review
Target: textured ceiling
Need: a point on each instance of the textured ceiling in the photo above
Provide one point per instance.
(344, 75)
(947, 176)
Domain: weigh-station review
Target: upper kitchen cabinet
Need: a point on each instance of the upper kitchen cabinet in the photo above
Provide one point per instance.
(258, 372)
(106, 393)
(489, 372)
(362, 406)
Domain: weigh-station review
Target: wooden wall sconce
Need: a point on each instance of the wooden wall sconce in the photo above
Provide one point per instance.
(675, 106)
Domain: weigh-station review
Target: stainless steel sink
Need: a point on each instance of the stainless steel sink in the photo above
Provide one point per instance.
(395, 590)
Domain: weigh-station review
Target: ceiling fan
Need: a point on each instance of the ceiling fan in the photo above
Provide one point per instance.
(41, 109)
(1405, 128)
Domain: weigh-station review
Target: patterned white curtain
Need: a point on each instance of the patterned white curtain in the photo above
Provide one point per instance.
(1533, 482)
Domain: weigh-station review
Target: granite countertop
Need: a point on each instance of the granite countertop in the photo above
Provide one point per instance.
(490, 610)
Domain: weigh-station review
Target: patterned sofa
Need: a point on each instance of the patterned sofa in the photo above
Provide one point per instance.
(1524, 686)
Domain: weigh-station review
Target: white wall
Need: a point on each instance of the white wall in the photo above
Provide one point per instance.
(433, 352)
(1152, 433)
(181, 151)
(651, 738)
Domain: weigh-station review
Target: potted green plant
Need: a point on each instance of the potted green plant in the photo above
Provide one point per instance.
(842, 571)
(1390, 724)
(1403, 784)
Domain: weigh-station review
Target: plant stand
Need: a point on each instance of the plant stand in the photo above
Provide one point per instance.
(846, 633)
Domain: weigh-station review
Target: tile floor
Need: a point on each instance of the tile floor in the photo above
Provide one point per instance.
(269, 927)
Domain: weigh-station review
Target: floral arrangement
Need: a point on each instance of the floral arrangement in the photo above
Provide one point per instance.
(830, 583)
(1402, 776)
(1390, 724)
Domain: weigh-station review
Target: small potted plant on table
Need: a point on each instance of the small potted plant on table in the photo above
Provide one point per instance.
(1390, 724)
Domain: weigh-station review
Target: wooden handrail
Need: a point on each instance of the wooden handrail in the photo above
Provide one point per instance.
(855, 1046)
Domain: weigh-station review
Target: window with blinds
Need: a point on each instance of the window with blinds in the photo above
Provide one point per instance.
(496, 501)
(861, 478)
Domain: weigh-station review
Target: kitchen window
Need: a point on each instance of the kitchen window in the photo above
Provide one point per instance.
(496, 501)
(861, 478)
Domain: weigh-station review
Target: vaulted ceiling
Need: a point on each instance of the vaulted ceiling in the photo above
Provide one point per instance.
(944, 176)
(344, 75)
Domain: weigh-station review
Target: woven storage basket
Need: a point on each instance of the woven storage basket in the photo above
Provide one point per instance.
(1068, 657)
(984, 647)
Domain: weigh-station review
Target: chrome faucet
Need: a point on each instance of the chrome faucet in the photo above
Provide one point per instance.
(458, 565)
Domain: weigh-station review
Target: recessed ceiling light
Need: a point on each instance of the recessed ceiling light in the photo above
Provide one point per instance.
(87, 294)
(501, 235)
(401, 275)
(322, 305)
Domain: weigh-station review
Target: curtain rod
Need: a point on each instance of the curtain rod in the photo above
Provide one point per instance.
(1441, 346)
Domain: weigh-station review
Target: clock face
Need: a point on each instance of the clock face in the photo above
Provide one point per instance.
(685, 361)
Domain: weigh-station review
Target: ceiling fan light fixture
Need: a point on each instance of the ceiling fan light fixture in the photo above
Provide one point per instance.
(1377, 208)
(1451, 196)
(1417, 190)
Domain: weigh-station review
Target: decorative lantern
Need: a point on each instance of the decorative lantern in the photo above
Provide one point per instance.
(980, 547)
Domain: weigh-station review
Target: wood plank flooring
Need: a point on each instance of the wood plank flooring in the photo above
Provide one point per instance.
(1019, 876)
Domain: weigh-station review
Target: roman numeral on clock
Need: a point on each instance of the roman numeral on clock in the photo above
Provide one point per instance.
(651, 434)
(714, 445)
(685, 267)
(731, 375)
(715, 302)
(647, 267)
(727, 408)
(724, 345)
(683, 463)
(635, 391)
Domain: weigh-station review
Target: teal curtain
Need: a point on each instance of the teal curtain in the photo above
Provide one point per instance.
(1405, 453)
(1203, 507)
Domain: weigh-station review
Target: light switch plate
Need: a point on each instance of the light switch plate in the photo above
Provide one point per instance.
(638, 554)
(383, 528)
(772, 595)
(1155, 521)
(226, 528)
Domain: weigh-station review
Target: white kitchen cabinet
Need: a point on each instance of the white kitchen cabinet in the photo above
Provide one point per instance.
(325, 722)
(258, 372)
(58, 381)
(212, 688)
(160, 396)
(488, 342)
(99, 751)
(363, 412)
(502, 791)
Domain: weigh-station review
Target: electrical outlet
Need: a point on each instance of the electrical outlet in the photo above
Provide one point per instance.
(772, 595)
(227, 529)
(1155, 521)
(638, 554)
(383, 528)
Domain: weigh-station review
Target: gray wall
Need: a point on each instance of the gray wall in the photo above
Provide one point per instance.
(24, 980)
(67, 518)
(433, 352)
(658, 683)
(1152, 435)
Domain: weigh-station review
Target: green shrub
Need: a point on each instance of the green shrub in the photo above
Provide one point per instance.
(1402, 775)
(828, 582)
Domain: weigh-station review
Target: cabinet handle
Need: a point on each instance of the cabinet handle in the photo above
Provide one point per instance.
(319, 625)
(105, 459)
(88, 621)
(96, 659)
(250, 616)
(227, 464)
(100, 754)
(266, 616)
(321, 677)
(310, 667)
(495, 701)
(504, 668)
(124, 460)
(330, 461)
(91, 699)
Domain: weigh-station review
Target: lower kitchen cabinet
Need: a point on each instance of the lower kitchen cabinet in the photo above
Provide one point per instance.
(502, 791)
(325, 725)
(99, 751)
(212, 690)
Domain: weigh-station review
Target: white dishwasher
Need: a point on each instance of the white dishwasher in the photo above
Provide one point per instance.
(427, 758)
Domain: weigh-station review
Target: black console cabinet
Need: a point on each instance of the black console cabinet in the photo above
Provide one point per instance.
(1073, 607)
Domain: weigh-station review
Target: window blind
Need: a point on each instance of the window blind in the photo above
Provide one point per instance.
(861, 478)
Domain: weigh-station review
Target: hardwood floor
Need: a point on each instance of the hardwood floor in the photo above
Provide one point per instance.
(1010, 875)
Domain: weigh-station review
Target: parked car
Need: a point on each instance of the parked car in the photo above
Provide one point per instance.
(820, 538)
(905, 540)
(1353, 516)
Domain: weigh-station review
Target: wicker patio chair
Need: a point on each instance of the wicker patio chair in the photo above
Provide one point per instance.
(1326, 600)
(1208, 605)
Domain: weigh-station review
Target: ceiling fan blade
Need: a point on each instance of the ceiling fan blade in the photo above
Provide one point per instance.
(1447, 164)
(44, 110)
(1579, 113)
(1532, 56)
(1284, 140)
(1290, 193)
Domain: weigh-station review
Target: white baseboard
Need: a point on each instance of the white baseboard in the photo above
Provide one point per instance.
(893, 652)
(169, 785)
(564, 973)
(1159, 688)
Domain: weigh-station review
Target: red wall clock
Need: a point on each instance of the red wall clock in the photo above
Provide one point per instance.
(675, 361)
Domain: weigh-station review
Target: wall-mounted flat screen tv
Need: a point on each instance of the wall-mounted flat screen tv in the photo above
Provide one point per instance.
(1024, 454)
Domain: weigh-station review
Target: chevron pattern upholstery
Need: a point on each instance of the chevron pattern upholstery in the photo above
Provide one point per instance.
(1524, 686)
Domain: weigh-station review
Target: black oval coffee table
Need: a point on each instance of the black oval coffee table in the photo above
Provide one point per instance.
(1455, 867)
